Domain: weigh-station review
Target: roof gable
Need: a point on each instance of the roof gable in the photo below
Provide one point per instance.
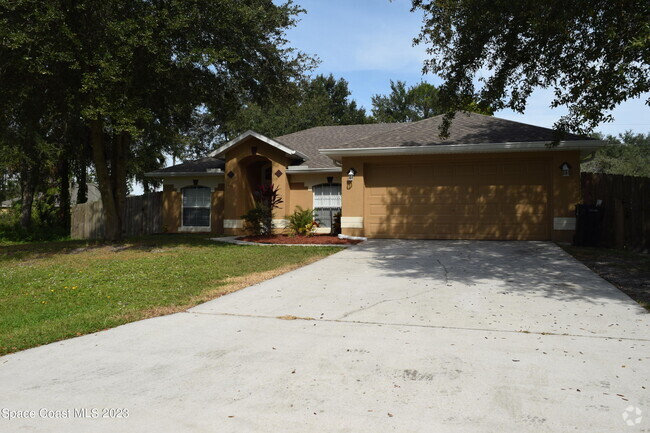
(221, 150)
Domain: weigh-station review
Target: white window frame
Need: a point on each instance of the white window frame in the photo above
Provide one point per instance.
(328, 201)
(186, 228)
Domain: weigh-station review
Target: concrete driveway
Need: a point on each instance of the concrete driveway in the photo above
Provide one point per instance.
(390, 336)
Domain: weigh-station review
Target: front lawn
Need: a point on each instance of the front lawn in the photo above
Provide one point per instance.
(629, 271)
(57, 290)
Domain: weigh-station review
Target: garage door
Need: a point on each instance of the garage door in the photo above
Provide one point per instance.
(472, 200)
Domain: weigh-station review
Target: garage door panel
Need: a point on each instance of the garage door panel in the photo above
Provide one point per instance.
(422, 195)
(455, 231)
(473, 201)
(412, 210)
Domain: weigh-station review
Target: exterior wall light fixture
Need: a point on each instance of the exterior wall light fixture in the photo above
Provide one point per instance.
(351, 174)
(566, 169)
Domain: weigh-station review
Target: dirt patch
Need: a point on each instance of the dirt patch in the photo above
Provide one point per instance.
(297, 240)
(628, 271)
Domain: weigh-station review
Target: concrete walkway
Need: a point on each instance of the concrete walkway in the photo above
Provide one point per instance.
(389, 336)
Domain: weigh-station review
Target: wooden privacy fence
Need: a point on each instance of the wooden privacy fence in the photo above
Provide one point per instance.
(142, 215)
(626, 208)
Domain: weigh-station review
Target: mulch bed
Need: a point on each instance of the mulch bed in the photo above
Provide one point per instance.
(288, 240)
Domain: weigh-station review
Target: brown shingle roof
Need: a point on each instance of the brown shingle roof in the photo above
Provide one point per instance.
(323, 137)
(466, 128)
(197, 166)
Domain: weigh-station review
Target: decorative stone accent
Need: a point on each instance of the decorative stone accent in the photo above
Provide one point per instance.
(231, 174)
(278, 173)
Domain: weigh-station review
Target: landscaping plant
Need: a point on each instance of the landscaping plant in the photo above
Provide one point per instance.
(259, 220)
(254, 220)
(302, 223)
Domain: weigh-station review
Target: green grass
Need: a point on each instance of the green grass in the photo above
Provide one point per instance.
(56, 290)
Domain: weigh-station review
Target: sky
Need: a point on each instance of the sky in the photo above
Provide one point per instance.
(369, 42)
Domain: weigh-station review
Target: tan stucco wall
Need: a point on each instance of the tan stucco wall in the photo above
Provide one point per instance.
(563, 192)
(301, 188)
(566, 191)
(173, 202)
(237, 189)
(231, 196)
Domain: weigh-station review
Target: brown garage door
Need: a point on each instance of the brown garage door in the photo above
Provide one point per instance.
(467, 200)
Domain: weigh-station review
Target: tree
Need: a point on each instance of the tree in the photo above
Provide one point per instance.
(411, 104)
(628, 155)
(593, 54)
(31, 96)
(140, 69)
(309, 102)
(394, 107)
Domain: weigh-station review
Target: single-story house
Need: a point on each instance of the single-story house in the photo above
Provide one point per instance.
(490, 178)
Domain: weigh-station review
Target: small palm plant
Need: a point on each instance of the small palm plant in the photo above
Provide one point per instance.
(301, 222)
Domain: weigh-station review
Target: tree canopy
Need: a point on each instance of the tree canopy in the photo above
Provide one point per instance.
(404, 104)
(627, 154)
(411, 104)
(132, 75)
(306, 103)
(593, 54)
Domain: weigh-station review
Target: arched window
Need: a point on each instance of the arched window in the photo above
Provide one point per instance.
(327, 202)
(196, 206)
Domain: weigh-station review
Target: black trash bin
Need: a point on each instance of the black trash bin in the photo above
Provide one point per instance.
(589, 220)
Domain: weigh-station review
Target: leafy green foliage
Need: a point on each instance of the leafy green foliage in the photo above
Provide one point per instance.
(74, 287)
(126, 78)
(9, 187)
(43, 226)
(593, 54)
(628, 155)
(301, 222)
(406, 105)
(259, 219)
(306, 103)
(336, 223)
(255, 220)
(267, 198)
(411, 104)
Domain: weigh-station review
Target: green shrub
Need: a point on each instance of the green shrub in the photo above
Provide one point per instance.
(336, 224)
(267, 197)
(255, 220)
(42, 229)
(301, 222)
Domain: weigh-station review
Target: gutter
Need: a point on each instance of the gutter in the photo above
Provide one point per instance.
(217, 173)
(585, 146)
(307, 170)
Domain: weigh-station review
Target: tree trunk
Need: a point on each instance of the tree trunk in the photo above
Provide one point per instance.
(112, 221)
(64, 194)
(118, 174)
(28, 180)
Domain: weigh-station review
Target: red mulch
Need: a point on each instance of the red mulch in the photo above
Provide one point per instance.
(284, 239)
